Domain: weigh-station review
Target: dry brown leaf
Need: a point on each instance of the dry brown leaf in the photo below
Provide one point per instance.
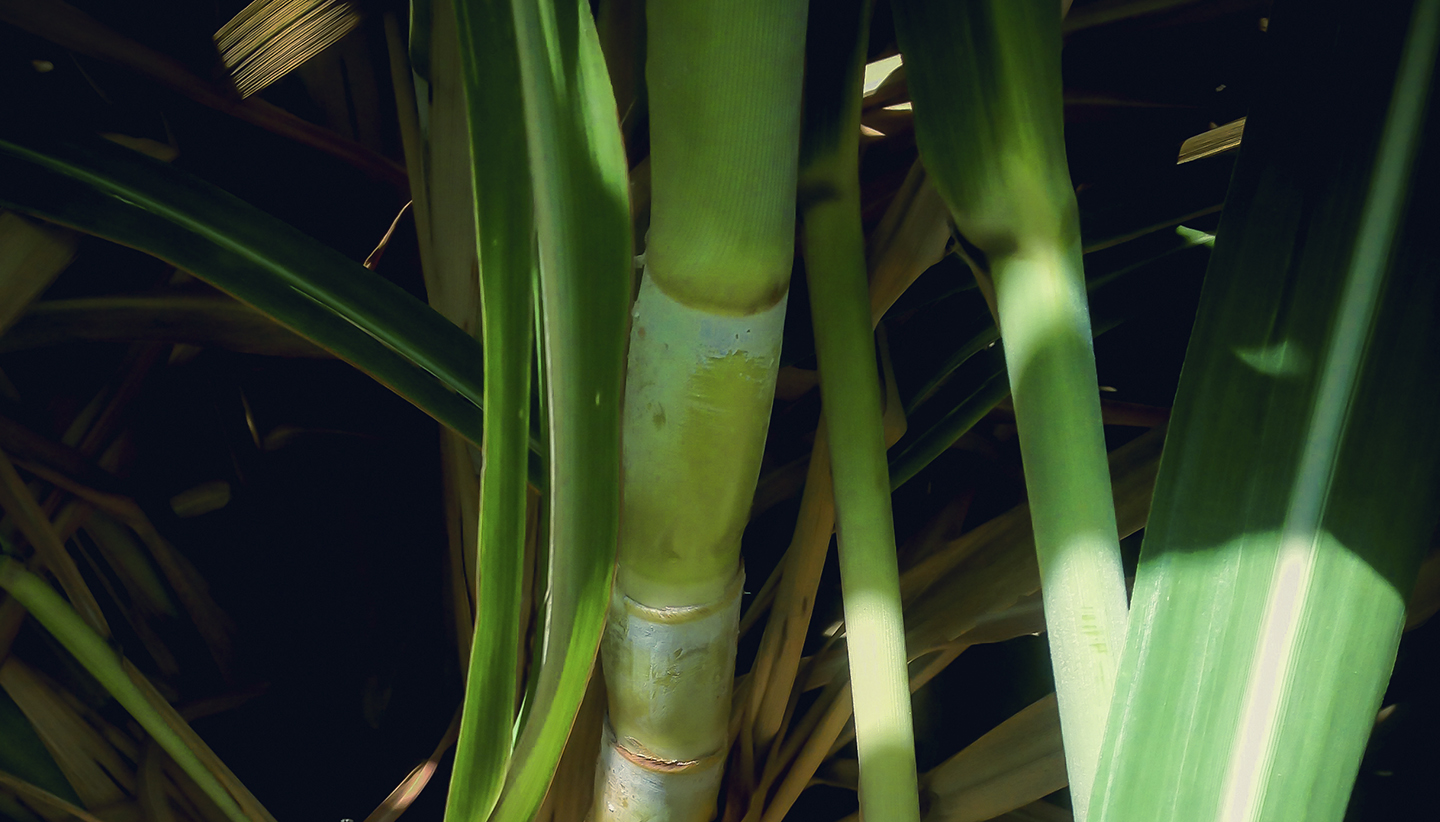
(1017, 763)
(452, 284)
(32, 255)
(16, 500)
(100, 774)
(163, 152)
(910, 238)
(414, 782)
(201, 499)
(1425, 598)
(270, 38)
(52, 806)
(152, 788)
(71, 28)
(237, 790)
(207, 320)
(1037, 812)
(572, 790)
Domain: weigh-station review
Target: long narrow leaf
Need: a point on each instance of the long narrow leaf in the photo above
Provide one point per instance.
(583, 223)
(506, 234)
(91, 651)
(118, 194)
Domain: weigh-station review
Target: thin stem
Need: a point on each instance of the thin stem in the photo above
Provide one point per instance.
(1046, 327)
(850, 391)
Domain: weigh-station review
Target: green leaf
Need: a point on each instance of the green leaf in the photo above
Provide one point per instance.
(982, 384)
(121, 195)
(159, 720)
(1297, 489)
(582, 215)
(506, 242)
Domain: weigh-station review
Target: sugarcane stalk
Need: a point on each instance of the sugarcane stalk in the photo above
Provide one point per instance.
(724, 85)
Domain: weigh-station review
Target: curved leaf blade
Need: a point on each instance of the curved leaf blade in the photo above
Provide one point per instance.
(505, 229)
(117, 194)
(582, 215)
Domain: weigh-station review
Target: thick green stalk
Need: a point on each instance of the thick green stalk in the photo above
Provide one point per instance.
(985, 77)
(1297, 490)
(724, 86)
(834, 246)
(724, 91)
(505, 225)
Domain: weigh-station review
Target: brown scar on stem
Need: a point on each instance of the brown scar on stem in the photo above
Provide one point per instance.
(651, 763)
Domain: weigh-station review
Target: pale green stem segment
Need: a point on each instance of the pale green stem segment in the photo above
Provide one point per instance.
(834, 246)
(697, 406)
(724, 86)
(505, 226)
(97, 657)
(1045, 325)
(985, 77)
(697, 403)
(665, 748)
(1297, 491)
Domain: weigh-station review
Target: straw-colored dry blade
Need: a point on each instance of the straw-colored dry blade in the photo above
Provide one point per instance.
(43, 801)
(69, 27)
(1018, 762)
(1217, 140)
(269, 38)
(32, 255)
(134, 693)
(213, 320)
(17, 500)
(95, 772)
